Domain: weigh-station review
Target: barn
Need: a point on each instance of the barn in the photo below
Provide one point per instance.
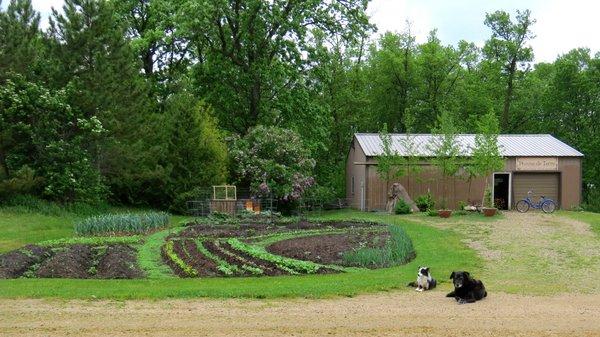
(533, 162)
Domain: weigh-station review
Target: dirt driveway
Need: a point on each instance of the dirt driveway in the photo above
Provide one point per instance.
(533, 253)
(388, 314)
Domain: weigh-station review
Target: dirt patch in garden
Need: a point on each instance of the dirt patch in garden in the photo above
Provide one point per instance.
(255, 229)
(119, 262)
(72, 262)
(407, 313)
(15, 263)
(329, 248)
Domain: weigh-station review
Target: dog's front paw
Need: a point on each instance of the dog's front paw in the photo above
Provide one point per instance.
(462, 301)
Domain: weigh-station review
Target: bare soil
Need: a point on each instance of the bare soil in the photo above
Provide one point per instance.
(389, 314)
(327, 249)
(119, 262)
(72, 262)
(13, 264)
(253, 229)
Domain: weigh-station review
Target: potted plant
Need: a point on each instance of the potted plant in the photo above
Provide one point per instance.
(446, 150)
(486, 157)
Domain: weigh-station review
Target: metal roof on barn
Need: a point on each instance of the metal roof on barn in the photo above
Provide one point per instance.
(523, 145)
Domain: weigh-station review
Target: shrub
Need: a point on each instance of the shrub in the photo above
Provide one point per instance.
(122, 223)
(398, 250)
(461, 205)
(425, 202)
(275, 161)
(402, 207)
(432, 212)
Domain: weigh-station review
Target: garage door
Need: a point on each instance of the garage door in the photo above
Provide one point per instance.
(546, 184)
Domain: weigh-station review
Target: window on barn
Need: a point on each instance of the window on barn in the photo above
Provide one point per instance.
(352, 186)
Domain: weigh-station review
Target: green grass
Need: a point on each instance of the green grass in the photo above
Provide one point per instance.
(591, 218)
(440, 249)
(18, 229)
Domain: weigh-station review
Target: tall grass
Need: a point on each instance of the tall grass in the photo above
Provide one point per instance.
(122, 223)
(398, 250)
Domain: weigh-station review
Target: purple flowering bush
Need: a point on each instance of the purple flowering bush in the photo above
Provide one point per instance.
(273, 161)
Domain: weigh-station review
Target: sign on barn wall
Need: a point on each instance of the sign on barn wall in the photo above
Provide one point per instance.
(537, 164)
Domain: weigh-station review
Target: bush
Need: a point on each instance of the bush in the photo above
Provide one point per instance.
(398, 250)
(461, 205)
(122, 223)
(402, 207)
(432, 212)
(425, 202)
(31, 204)
(274, 161)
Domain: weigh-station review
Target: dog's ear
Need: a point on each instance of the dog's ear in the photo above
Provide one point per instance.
(452, 276)
(467, 275)
(427, 269)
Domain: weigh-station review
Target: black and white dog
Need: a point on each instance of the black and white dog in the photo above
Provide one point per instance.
(424, 280)
(466, 288)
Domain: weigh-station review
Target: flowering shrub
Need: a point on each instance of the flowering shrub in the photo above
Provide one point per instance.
(273, 161)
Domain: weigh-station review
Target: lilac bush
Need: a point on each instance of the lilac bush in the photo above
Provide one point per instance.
(273, 161)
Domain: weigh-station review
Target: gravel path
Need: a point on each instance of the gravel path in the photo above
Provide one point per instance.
(389, 314)
(533, 253)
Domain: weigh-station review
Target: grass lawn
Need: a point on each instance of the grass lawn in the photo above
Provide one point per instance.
(591, 218)
(441, 249)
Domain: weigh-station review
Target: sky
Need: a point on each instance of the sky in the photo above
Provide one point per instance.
(561, 24)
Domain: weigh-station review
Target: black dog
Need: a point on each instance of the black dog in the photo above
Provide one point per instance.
(466, 288)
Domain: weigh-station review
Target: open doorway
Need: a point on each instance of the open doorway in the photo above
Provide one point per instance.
(502, 190)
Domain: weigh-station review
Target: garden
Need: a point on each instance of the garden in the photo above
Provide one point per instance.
(124, 246)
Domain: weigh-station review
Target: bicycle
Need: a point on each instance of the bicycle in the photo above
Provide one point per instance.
(547, 205)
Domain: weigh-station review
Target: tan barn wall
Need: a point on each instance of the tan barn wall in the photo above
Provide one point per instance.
(355, 168)
(570, 182)
(429, 180)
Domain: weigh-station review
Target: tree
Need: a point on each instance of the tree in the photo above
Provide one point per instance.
(196, 149)
(390, 164)
(39, 130)
(445, 150)
(273, 162)
(508, 48)
(21, 47)
(250, 53)
(485, 155)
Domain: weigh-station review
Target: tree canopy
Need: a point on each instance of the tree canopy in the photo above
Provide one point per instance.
(167, 83)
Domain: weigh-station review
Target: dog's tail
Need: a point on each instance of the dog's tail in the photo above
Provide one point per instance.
(412, 284)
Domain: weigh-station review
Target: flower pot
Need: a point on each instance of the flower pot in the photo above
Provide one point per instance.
(489, 211)
(444, 213)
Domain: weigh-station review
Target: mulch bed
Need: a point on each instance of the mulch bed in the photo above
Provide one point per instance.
(72, 262)
(329, 248)
(119, 262)
(254, 229)
(13, 264)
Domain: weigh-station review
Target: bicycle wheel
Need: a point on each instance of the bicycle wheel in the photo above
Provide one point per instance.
(522, 206)
(548, 206)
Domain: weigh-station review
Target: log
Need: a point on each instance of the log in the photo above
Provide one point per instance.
(397, 191)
